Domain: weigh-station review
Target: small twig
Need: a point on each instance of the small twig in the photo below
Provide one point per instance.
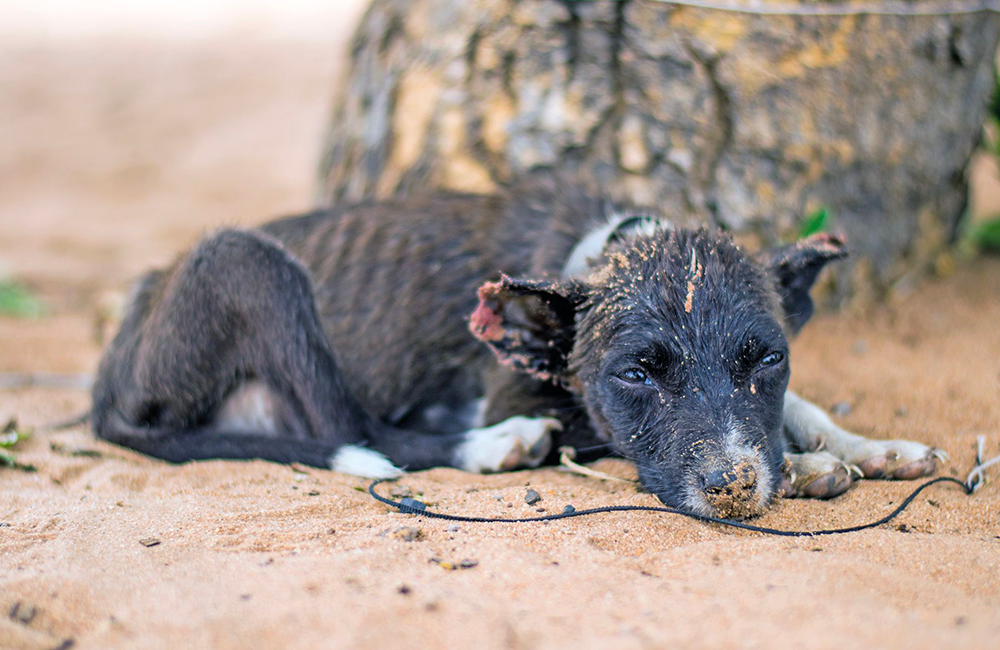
(566, 456)
(75, 421)
(977, 477)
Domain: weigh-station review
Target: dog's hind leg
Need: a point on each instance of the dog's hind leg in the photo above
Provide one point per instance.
(236, 309)
(809, 428)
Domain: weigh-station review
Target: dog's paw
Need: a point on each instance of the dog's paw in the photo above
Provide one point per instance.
(895, 459)
(514, 443)
(817, 475)
(363, 462)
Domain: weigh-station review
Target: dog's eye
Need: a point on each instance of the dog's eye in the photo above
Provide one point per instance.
(771, 359)
(635, 376)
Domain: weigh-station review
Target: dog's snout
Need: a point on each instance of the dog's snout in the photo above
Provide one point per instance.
(731, 489)
(732, 478)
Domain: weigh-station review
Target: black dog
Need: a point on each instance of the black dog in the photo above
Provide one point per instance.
(342, 339)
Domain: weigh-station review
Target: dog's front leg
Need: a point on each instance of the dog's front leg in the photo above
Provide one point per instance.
(810, 429)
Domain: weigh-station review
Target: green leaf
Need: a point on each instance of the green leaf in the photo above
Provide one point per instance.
(10, 439)
(10, 434)
(991, 136)
(994, 106)
(986, 235)
(7, 460)
(17, 301)
(814, 223)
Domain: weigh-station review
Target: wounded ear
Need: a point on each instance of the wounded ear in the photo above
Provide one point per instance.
(529, 324)
(795, 268)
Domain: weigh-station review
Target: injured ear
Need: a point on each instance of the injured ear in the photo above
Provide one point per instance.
(795, 268)
(529, 324)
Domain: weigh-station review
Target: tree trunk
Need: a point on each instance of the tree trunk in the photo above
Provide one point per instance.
(748, 122)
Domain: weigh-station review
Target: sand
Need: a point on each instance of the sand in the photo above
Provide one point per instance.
(117, 151)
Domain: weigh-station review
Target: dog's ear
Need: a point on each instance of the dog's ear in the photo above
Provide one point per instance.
(529, 324)
(795, 268)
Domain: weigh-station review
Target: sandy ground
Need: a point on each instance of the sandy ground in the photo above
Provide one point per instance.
(117, 149)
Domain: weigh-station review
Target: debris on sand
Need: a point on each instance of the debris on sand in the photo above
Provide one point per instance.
(452, 566)
(407, 534)
(149, 541)
(10, 435)
(23, 613)
(841, 409)
(76, 452)
(532, 497)
(400, 491)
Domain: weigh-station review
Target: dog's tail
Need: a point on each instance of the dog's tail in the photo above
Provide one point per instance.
(181, 446)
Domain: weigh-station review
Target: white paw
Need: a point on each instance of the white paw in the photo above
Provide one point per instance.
(817, 475)
(516, 442)
(899, 459)
(364, 462)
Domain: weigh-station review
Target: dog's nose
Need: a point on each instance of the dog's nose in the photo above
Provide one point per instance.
(717, 480)
(731, 489)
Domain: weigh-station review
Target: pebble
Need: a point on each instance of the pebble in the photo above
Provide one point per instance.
(498, 497)
(468, 564)
(840, 409)
(23, 613)
(568, 510)
(532, 497)
(452, 529)
(149, 541)
(399, 491)
(407, 534)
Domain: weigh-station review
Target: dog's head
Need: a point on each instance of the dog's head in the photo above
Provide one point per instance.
(677, 344)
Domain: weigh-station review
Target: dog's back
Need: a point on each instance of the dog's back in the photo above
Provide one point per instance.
(395, 283)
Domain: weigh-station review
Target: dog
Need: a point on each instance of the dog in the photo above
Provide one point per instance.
(483, 332)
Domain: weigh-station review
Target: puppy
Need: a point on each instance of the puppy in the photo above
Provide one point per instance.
(483, 332)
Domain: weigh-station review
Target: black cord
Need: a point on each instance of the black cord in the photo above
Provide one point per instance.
(413, 506)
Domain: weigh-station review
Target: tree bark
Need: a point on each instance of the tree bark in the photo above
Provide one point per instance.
(742, 121)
